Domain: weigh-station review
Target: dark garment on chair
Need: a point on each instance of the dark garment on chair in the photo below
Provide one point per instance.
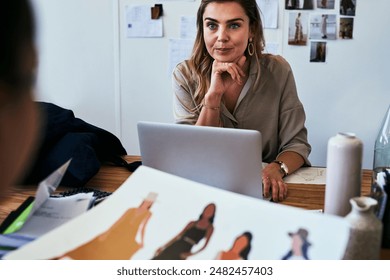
(67, 137)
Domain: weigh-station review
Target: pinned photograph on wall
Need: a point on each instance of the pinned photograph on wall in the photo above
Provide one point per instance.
(323, 27)
(325, 4)
(299, 4)
(346, 28)
(347, 7)
(297, 31)
(318, 52)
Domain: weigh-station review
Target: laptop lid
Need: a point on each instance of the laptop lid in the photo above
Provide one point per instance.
(226, 158)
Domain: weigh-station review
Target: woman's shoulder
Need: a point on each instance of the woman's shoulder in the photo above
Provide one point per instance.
(182, 71)
(274, 60)
(275, 63)
(183, 67)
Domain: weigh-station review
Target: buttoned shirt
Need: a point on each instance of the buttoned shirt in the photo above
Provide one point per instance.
(272, 107)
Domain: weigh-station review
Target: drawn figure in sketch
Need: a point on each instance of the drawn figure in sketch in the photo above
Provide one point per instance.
(119, 241)
(323, 26)
(179, 248)
(240, 249)
(299, 246)
(298, 29)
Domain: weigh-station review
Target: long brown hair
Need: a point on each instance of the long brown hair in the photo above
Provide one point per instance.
(201, 61)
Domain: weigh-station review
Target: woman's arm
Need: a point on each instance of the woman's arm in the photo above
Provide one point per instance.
(223, 76)
(143, 226)
(293, 147)
(273, 176)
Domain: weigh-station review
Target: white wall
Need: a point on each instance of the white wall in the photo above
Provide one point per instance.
(88, 65)
(350, 91)
(78, 70)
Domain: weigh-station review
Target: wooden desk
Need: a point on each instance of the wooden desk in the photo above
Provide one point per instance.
(110, 178)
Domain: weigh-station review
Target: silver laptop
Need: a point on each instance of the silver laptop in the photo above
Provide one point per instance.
(226, 158)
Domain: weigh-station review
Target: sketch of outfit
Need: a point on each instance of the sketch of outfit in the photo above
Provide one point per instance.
(298, 30)
(117, 243)
(184, 244)
(299, 246)
(180, 247)
(240, 249)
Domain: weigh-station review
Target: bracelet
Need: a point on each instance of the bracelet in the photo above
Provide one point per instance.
(283, 167)
(211, 108)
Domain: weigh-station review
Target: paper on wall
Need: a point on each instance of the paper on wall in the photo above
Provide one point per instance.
(140, 24)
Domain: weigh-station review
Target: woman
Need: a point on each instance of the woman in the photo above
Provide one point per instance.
(240, 249)
(229, 82)
(179, 248)
(19, 118)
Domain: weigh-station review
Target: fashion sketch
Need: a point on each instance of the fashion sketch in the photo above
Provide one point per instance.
(299, 246)
(180, 247)
(239, 250)
(119, 242)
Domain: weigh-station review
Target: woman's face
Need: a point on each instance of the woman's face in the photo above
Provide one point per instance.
(297, 243)
(226, 31)
(209, 211)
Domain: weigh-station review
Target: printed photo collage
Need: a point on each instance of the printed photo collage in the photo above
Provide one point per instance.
(315, 22)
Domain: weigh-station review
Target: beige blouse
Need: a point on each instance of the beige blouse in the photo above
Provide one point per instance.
(273, 107)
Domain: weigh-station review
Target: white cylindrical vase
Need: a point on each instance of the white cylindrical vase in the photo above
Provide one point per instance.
(343, 173)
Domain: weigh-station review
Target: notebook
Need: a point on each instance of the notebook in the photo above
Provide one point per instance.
(225, 158)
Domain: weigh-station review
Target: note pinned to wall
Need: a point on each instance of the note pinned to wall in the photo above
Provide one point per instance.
(179, 50)
(139, 23)
(269, 13)
(187, 27)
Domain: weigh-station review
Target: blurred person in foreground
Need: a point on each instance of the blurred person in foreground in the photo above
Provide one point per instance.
(19, 117)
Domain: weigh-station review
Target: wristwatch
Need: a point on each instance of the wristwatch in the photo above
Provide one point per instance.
(283, 167)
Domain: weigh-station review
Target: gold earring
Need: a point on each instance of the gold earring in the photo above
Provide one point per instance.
(251, 47)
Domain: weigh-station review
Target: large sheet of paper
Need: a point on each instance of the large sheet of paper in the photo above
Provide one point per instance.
(120, 228)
